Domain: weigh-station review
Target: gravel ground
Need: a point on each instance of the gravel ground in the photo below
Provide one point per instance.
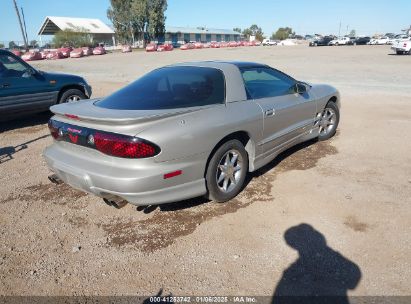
(335, 214)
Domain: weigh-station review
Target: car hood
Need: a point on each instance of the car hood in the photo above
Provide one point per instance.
(62, 77)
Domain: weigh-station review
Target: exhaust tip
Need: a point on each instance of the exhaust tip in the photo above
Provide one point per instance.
(55, 179)
(118, 204)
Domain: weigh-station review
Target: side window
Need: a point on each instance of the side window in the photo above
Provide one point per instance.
(266, 82)
(11, 67)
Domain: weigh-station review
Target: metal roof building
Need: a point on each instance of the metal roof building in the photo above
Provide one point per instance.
(176, 34)
(95, 27)
(101, 32)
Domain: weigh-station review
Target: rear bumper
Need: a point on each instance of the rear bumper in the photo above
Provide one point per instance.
(139, 183)
(399, 49)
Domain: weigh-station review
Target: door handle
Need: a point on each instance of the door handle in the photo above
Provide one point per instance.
(270, 112)
(5, 85)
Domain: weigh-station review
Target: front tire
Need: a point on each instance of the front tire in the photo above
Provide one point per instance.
(227, 171)
(72, 95)
(329, 120)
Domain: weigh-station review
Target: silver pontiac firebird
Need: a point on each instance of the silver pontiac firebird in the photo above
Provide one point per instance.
(186, 130)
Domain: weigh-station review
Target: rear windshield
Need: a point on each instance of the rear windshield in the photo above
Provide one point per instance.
(170, 87)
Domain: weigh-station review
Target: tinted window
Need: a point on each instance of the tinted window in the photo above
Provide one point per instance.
(168, 88)
(266, 82)
(11, 67)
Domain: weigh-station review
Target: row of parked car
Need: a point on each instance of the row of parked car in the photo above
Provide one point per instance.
(335, 41)
(61, 53)
(154, 47)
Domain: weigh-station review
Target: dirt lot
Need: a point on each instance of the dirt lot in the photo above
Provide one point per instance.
(354, 191)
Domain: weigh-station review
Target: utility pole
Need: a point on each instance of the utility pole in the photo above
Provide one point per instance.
(24, 23)
(339, 31)
(21, 25)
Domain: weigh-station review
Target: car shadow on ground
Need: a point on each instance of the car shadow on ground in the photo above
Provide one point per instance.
(281, 157)
(319, 275)
(191, 203)
(25, 122)
(7, 153)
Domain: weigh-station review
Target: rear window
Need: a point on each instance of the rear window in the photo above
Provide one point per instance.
(168, 88)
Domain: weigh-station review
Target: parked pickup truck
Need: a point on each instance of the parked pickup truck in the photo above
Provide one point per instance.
(402, 47)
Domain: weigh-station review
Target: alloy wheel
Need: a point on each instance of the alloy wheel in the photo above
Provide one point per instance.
(73, 98)
(229, 171)
(327, 121)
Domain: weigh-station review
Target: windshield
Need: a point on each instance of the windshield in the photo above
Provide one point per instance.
(168, 88)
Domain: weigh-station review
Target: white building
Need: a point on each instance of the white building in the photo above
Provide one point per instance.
(99, 31)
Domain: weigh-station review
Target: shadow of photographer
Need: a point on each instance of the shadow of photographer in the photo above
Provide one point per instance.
(319, 275)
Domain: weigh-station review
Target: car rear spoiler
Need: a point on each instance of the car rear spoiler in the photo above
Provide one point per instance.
(86, 110)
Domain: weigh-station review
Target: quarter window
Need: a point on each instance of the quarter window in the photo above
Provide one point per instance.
(266, 82)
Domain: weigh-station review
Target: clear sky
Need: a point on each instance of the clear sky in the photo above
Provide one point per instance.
(305, 16)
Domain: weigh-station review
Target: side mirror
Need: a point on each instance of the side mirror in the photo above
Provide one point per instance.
(300, 88)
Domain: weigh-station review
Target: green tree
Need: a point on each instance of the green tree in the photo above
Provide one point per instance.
(254, 30)
(33, 43)
(283, 33)
(247, 33)
(12, 45)
(353, 33)
(1, 45)
(75, 38)
(156, 18)
(138, 18)
(140, 9)
(237, 29)
(120, 14)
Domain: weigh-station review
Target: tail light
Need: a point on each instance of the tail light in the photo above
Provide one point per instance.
(108, 143)
(124, 146)
(54, 131)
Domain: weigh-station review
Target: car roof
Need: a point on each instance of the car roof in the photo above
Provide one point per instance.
(220, 64)
(2, 51)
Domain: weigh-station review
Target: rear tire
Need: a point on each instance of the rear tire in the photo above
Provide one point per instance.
(72, 95)
(227, 171)
(400, 52)
(330, 118)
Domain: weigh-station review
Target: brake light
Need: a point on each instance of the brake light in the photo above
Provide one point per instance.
(71, 116)
(405, 45)
(53, 130)
(124, 146)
